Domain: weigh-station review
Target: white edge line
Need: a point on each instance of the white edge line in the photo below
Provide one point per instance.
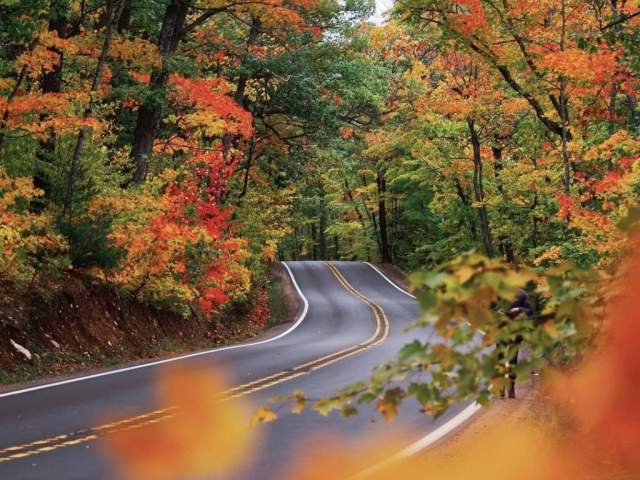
(439, 432)
(424, 442)
(182, 357)
(391, 282)
(431, 437)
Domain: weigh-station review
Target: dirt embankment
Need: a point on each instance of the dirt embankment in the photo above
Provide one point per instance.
(533, 408)
(89, 325)
(285, 303)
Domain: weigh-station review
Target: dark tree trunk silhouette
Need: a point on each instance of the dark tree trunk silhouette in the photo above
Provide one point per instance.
(464, 198)
(150, 113)
(385, 250)
(323, 227)
(51, 82)
(478, 189)
(114, 10)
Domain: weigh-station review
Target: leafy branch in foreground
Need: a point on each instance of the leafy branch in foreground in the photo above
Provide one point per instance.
(463, 336)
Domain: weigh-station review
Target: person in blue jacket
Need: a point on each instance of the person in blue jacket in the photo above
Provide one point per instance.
(520, 305)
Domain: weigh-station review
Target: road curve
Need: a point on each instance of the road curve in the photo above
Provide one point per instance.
(354, 318)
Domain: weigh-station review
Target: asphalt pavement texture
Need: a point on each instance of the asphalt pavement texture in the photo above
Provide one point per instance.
(337, 320)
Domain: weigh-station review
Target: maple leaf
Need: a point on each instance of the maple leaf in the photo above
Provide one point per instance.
(389, 403)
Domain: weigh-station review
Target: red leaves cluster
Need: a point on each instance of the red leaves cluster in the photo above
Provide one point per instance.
(143, 78)
(347, 133)
(198, 257)
(608, 183)
(470, 17)
(211, 95)
(195, 205)
(571, 210)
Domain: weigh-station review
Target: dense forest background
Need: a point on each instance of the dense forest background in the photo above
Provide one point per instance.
(174, 148)
(171, 151)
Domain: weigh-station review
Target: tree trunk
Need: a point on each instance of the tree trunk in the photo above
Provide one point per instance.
(125, 18)
(506, 246)
(613, 96)
(150, 113)
(314, 242)
(51, 82)
(497, 165)
(385, 251)
(114, 10)
(352, 200)
(564, 110)
(478, 188)
(243, 78)
(323, 227)
(230, 141)
(566, 161)
(371, 217)
(296, 244)
(247, 169)
(467, 203)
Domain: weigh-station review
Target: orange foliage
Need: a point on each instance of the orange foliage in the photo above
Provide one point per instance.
(470, 17)
(605, 393)
(209, 98)
(202, 437)
(144, 78)
(45, 54)
(180, 245)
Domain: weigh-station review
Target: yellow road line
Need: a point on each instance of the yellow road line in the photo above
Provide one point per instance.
(68, 439)
(99, 428)
(377, 309)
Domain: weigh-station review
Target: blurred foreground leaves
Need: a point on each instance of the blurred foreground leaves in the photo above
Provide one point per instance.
(204, 436)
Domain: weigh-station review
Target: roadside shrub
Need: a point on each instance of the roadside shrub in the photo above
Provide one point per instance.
(176, 254)
(31, 252)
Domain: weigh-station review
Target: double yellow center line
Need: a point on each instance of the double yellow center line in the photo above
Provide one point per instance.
(80, 436)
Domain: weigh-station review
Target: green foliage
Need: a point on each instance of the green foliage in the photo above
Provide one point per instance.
(90, 244)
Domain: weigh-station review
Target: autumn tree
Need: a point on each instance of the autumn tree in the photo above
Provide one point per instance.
(538, 50)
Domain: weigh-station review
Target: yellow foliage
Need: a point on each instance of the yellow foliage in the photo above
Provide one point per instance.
(26, 236)
(135, 52)
(552, 255)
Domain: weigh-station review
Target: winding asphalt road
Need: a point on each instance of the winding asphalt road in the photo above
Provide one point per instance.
(353, 319)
